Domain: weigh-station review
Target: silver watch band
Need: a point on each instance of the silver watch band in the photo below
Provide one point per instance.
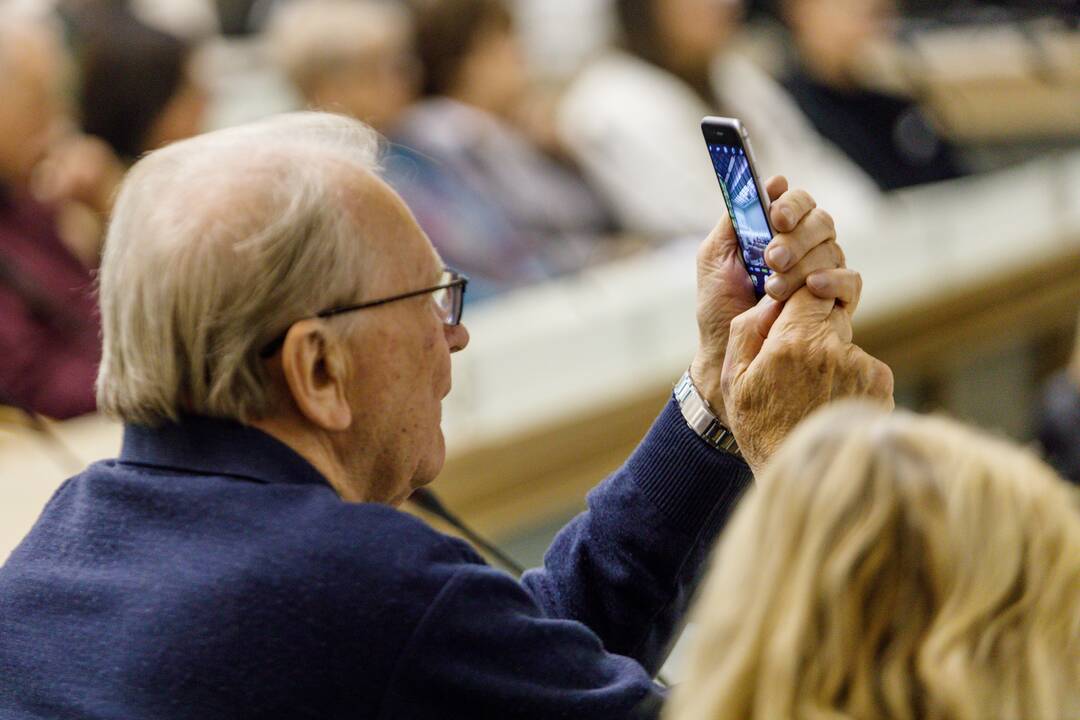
(701, 418)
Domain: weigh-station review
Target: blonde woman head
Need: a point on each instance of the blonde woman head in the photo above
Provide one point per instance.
(892, 567)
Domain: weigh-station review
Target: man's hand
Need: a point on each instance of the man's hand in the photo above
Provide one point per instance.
(803, 252)
(784, 361)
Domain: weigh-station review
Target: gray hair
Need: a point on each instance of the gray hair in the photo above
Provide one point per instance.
(216, 245)
(309, 38)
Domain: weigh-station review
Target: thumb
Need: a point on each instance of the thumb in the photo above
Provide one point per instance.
(748, 333)
(719, 244)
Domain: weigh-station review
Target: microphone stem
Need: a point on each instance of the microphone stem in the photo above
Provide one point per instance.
(430, 502)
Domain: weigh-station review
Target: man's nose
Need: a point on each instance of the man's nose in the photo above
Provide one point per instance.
(457, 336)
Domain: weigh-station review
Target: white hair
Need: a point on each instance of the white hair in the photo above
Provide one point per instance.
(308, 38)
(216, 245)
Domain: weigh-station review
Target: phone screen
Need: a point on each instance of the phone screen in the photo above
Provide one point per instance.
(745, 208)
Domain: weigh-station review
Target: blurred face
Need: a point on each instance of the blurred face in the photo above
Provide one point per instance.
(376, 86)
(31, 110)
(184, 116)
(693, 31)
(400, 358)
(493, 74)
(831, 35)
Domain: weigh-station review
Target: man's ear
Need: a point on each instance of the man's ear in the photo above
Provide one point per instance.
(316, 373)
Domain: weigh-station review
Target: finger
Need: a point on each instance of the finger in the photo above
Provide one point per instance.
(747, 335)
(882, 384)
(840, 324)
(719, 243)
(776, 186)
(842, 284)
(789, 209)
(788, 248)
(823, 257)
(803, 313)
(875, 379)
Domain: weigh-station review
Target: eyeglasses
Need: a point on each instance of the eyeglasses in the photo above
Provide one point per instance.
(449, 296)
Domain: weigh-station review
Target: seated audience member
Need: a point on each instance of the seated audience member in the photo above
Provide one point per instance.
(632, 117)
(138, 89)
(887, 136)
(278, 335)
(49, 346)
(892, 566)
(1059, 419)
(492, 202)
(349, 56)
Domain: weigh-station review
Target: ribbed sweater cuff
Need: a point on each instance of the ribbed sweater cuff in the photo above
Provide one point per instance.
(692, 483)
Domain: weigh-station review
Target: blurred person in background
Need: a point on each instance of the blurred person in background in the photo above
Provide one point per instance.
(492, 201)
(49, 325)
(892, 566)
(348, 56)
(138, 86)
(888, 136)
(632, 116)
(1059, 418)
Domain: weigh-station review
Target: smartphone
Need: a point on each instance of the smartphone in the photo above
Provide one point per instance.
(746, 199)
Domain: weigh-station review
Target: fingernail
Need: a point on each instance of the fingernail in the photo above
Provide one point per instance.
(817, 282)
(789, 217)
(776, 285)
(779, 258)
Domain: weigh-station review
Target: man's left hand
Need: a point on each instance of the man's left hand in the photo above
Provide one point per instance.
(803, 251)
(784, 361)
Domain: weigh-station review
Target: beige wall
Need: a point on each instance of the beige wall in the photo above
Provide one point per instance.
(32, 466)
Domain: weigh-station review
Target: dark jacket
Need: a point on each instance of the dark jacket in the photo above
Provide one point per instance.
(1059, 426)
(210, 572)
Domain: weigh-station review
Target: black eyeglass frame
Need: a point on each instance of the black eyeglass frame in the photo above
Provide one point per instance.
(457, 279)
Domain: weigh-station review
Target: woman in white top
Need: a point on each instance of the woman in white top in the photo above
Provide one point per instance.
(632, 120)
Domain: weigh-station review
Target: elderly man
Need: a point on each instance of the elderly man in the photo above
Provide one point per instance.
(277, 337)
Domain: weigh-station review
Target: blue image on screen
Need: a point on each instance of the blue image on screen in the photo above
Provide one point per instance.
(744, 207)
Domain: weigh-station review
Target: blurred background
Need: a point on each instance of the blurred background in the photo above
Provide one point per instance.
(551, 149)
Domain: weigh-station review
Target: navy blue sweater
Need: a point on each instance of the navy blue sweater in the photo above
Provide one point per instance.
(211, 572)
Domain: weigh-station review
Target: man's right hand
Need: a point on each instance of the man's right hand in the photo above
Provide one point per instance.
(803, 253)
(784, 361)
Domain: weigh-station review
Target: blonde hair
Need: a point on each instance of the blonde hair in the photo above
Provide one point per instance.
(216, 245)
(892, 567)
(309, 38)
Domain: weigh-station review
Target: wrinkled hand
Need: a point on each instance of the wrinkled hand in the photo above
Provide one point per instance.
(784, 361)
(802, 252)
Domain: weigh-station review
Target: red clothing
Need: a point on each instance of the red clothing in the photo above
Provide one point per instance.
(49, 320)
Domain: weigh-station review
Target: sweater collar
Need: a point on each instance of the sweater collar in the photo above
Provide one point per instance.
(212, 446)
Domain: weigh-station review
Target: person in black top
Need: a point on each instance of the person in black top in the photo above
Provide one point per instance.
(1059, 424)
(1058, 419)
(138, 86)
(888, 136)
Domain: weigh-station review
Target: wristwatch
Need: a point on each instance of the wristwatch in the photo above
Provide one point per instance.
(701, 418)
